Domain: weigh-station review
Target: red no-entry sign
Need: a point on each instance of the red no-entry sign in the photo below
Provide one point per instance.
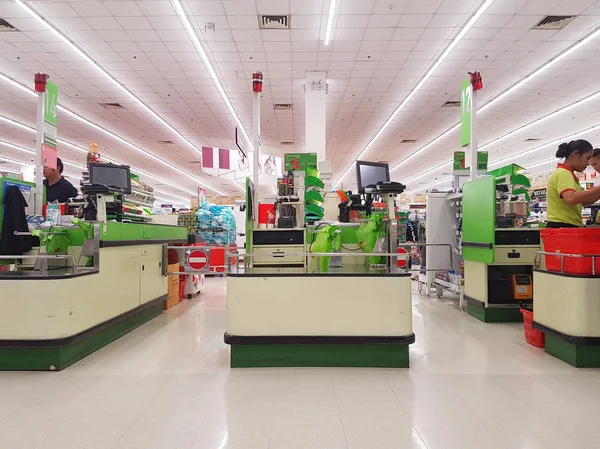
(197, 259)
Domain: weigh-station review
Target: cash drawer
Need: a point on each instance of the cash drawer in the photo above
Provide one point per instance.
(278, 237)
(278, 255)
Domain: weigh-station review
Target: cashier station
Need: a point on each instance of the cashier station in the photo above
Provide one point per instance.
(108, 279)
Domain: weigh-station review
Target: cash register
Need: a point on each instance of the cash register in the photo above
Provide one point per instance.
(104, 192)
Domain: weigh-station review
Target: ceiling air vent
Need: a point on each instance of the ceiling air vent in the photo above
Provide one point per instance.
(5, 26)
(274, 22)
(408, 141)
(193, 162)
(554, 22)
(283, 106)
(111, 106)
(287, 142)
(165, 142)
(451, 104)
(533, 139)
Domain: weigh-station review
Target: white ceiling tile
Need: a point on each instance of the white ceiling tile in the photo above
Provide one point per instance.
(144, 36)
(124, 8)
(299, 35)
(55, 9)
(306, 21)
(357, 6)
(384, 21)
(157, 8)
(240, 7)
(348, 34)
(378, 34)
(173, 35)
(306, 6)
(422, 6)
(90, 9)
(134, 23)
(166, 23)
(390, 6)
(415, 20)
(446, 20)
(352, 21)
(206, 8)
(104, 23)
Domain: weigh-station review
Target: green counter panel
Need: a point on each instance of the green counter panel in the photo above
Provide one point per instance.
(479, 220)
(579, 356)
(140, 231)
(32, 357)
(319, 355)
(494, 314)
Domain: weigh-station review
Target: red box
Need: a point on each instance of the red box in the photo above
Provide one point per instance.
(217, 257)
(581, 241)
(263, 212)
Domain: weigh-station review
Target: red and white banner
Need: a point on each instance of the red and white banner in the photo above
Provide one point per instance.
(218, 158)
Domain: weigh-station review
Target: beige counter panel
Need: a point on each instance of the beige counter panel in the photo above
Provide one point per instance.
(49, 309)
(569, 305)
(319, 306)
(476, 281)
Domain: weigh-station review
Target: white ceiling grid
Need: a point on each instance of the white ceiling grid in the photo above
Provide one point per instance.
(379, 51)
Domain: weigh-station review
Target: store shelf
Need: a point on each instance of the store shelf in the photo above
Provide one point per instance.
(139, 203)
(142, 191)
(137, 217)
(455, 197)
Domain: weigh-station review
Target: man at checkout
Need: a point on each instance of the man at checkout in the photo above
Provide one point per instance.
(565, 195)
(57, 187)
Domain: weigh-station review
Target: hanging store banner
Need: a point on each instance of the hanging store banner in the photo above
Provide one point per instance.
(299, 161)
(459, 162)
(466, 93)
(49, 152)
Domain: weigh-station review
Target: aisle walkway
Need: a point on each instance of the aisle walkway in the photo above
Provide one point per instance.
(168, 385)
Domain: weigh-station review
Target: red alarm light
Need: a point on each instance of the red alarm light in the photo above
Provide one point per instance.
(40, 82)
(476, 80)
(257, 82)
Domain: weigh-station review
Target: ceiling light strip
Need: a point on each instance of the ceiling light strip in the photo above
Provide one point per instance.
(109, 77)
(507, 92)
(553, 114)
(422, 82)
(83, 150)
(330, 21)
(512, 158)
(102, 130)
(209, 67)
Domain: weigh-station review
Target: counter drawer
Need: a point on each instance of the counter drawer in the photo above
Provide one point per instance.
(515, 255)
(278, 254)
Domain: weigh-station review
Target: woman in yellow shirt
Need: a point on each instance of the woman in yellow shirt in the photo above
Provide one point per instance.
(565, 195)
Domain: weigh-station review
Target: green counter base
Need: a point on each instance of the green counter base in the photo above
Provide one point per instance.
(356, 352)
(580, 352)
(493, 314)
(56, 355)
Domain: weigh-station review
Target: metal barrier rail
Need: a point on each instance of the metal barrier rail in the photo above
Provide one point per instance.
(538, 261)
(41, 264)
(250, 256)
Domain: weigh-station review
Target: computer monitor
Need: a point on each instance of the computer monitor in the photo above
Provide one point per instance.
(111, 175)
(370, 173)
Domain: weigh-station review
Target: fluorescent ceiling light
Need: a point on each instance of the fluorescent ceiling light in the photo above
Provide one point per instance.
(582, 101)
(211, 71)
(102, 130)
(99, 69)
(83, 150)
(422, 82)
(330, 21)
(239, 186)
(507, 92)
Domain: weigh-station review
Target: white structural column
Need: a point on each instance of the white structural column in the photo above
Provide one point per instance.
(316, 89)
(257, 152)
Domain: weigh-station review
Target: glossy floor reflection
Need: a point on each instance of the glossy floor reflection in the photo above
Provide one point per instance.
(168, 385)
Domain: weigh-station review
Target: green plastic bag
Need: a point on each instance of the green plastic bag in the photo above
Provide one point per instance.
(324, 243)
(367, 235)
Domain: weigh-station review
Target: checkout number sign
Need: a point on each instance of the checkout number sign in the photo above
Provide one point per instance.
(198, 260)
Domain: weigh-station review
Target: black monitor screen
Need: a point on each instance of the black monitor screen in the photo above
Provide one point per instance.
(370, 173)
(111, 175)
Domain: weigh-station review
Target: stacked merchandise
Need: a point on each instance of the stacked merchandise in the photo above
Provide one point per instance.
(189, 221)
(402, 218)
(139, 203)
(216, 224)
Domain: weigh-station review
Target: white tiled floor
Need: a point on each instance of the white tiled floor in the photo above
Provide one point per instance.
(168, 385)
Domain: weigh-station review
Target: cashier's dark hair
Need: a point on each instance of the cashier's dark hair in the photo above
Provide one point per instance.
(596, 152)
(59, 165)
(566, 149)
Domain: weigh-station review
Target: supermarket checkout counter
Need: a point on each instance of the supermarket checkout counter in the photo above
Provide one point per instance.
(296, 306)
(567, 304)
(54, 315)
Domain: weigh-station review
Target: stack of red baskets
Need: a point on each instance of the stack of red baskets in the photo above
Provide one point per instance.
(579, 241)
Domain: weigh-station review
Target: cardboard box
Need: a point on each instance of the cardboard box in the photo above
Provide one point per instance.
(173, 289)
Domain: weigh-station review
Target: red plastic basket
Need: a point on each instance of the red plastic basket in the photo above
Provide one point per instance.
(532, 336)
(572, 241)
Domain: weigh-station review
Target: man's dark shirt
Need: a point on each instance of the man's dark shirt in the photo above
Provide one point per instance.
(61, 191)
